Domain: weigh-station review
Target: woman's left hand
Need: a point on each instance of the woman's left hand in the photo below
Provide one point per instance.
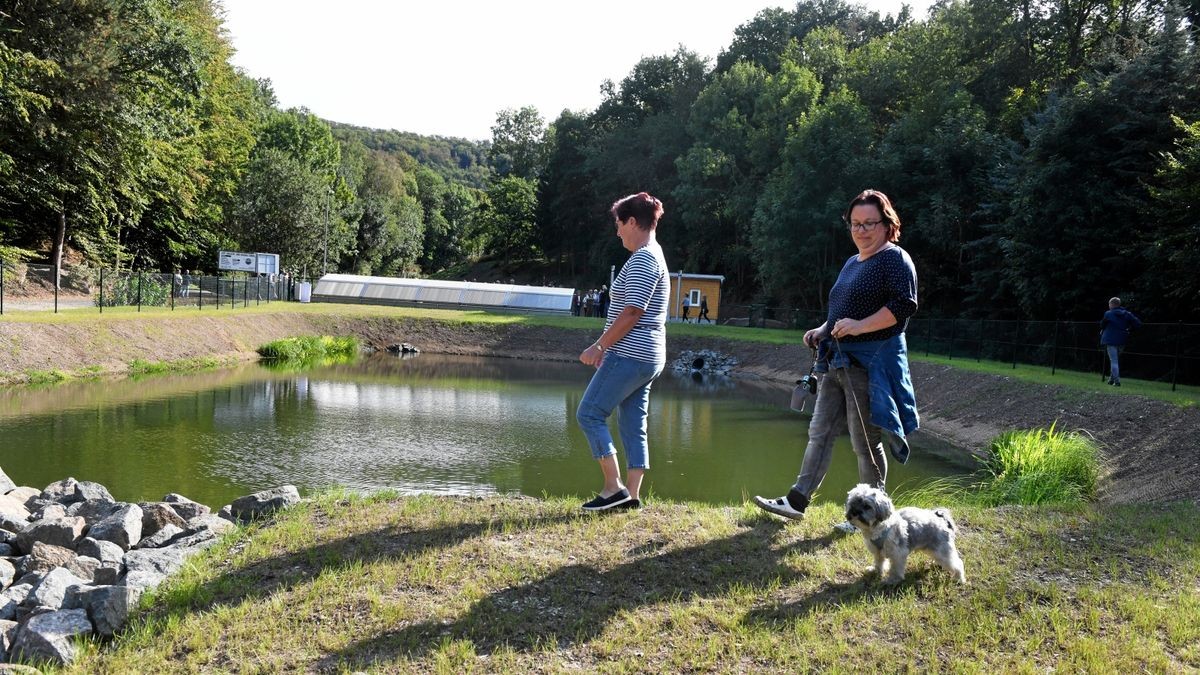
(592, 356)
(845, 327)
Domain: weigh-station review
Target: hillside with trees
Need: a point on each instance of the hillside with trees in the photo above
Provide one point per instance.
(1041, 153)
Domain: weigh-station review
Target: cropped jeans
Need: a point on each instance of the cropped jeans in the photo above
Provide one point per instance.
(624, 383)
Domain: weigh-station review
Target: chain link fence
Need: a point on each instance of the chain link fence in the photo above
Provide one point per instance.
(28, 287)
(1163, 352)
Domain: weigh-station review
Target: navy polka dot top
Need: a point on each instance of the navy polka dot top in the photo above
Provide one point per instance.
(886, 279)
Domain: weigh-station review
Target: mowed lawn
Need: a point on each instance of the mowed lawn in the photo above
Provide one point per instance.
(345, 583)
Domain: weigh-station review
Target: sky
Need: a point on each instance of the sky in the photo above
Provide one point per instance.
(447, 67)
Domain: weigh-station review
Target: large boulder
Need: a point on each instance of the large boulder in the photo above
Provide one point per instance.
(6, 483)
(264, 503)
(186, 508)
(156, 515)
(161, 538)
(53, 589)
(93, 510)
(142, 580)
(164, 561)
(8, 633)
(65, 532)
(123, 528)
(13, 507)
(7, 574)
(109, 607)
(11, 599)
(12, 523)
(45, 557)
(88, 491)
(25, 494)
(62, 491)
(83, 567)
(49, 511)
(51, 636)
(107, 573)
(200, 539)
(215, 524)
(104, 551)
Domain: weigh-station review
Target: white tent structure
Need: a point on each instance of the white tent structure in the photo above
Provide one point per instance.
(351, 288)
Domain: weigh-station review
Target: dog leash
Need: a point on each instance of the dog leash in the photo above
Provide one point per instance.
(857, 409)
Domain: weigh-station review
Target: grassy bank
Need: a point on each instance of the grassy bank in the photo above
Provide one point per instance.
(427, 584)
(1183, 395)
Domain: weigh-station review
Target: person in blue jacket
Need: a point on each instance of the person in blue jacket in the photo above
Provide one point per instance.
(1115, 328)
(867, 390)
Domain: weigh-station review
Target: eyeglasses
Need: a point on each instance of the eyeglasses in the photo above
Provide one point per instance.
(865, 227)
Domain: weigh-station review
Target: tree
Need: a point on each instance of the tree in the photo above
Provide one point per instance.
(518, 143)
(509, 219)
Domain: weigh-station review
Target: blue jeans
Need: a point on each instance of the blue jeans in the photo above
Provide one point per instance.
(1114, 352)
(619, 382)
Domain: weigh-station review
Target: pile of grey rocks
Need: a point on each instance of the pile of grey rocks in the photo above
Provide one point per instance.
(705, 362)
(74, 561)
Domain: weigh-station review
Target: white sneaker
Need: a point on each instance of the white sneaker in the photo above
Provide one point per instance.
(779, 506)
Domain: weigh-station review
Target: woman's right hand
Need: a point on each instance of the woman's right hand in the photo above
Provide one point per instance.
(813, 336)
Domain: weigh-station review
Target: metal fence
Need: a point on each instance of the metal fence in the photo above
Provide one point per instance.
(1164, 352)
(33, 287)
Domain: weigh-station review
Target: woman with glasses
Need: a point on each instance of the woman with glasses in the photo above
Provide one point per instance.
(629, 355)
(867, 390)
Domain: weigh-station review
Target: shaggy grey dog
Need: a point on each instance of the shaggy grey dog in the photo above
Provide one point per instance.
(891, 535)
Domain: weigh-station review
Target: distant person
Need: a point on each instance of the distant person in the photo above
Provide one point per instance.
(603, 295)
(588, 305)
(576, 304)
(687, 305)
(703, 310)
(185, 284)
(628, 356)
(867, 390)
(1115, 328)
(177, 280)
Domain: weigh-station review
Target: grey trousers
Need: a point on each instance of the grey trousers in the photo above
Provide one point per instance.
(836, 412)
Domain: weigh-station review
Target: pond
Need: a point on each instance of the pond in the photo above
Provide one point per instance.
(430, 424)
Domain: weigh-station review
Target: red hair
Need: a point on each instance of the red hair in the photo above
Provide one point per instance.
(642, 207)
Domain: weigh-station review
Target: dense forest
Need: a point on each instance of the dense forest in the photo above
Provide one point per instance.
(1043, 155)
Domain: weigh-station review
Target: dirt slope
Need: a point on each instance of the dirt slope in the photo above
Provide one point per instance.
(1150, 445)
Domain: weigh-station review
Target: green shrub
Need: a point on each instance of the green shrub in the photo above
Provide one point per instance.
(1039, 466)
(122, 291)
(309, 348)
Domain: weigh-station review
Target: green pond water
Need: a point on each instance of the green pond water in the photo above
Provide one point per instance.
(423, 425)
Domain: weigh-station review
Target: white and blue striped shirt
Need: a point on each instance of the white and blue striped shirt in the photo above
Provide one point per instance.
(642, 283)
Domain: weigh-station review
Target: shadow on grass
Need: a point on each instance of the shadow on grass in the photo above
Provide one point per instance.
(574, 604)
(264, 577)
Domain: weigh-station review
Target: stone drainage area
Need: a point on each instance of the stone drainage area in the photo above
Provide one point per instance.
(74, 562)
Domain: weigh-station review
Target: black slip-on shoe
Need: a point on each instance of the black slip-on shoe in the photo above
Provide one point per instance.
(604, 503)
(779, 506)
(631, 505)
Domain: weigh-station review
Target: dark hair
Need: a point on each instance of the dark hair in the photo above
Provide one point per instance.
(881, 202)
(641, 207)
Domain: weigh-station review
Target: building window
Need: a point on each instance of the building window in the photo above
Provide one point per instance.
(694, 297)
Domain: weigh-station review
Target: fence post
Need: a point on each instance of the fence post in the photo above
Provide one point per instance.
(1178, 340)
(139, 290)
(1054, 351)
(101, 289)
(953, 331)
(232, 293)
(979, 346)
(172, 292)
(2, 263)
(57, 281)
(1016, 342)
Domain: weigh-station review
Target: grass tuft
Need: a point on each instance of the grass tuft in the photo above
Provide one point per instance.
(47, 376)
(309, 348)
(143, 367)
(1033, 467)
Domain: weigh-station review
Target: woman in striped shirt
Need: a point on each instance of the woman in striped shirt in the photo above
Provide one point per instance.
(629, 355)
